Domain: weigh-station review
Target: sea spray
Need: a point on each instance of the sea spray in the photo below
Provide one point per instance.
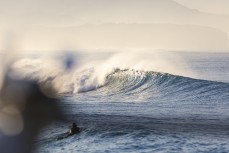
(90, 74)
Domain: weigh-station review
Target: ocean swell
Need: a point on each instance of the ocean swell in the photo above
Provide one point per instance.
(158, 84)
(117, 81)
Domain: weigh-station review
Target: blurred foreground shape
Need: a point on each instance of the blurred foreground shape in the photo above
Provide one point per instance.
(25, 107)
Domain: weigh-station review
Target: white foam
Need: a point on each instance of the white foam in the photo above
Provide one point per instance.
(91, 73)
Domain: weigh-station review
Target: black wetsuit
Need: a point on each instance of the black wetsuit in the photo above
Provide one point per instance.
(74, 130)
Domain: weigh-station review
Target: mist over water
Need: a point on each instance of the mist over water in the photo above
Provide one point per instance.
(91, 72)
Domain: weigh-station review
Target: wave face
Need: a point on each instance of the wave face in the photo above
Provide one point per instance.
(151, 85)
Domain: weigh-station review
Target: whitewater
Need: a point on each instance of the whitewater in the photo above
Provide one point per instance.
(167, 102)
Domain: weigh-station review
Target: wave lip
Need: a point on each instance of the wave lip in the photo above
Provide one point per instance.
(151, 84)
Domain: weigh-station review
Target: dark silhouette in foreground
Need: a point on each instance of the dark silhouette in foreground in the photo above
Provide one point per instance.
(26, 106)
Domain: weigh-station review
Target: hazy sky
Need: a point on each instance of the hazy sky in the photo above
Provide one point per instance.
(55, 24)
(211, 6)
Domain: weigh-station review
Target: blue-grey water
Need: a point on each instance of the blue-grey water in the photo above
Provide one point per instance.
(147, 111)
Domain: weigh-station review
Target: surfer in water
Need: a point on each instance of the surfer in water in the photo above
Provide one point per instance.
(74, 130)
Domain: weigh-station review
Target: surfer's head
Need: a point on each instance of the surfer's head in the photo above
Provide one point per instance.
(73, 124)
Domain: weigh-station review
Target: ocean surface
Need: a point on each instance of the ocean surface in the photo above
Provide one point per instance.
(167, 104)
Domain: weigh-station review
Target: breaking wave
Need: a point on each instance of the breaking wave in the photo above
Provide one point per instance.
(116, 82)
(155, 84)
